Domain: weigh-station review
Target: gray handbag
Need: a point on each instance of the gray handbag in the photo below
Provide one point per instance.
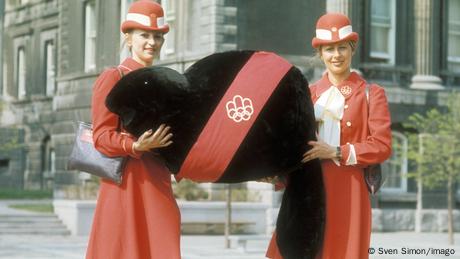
(85, 157)
(372, 173)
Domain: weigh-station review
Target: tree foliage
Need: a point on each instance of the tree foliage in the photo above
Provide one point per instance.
(435, 145)
(8, 138)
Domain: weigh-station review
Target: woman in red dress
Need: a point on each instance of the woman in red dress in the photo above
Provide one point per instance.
(140, 218)
(353, 132)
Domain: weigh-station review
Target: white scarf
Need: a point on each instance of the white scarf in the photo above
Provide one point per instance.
(329, 112)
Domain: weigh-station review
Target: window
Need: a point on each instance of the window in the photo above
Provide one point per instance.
(50, 74)
(383, 29)
(21, 73)
(90, 36)
(395, 168)
(124, 52)
(453, 32)
(169, 7)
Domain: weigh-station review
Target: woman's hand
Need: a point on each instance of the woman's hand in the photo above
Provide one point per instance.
(149, 140)
(320, 150)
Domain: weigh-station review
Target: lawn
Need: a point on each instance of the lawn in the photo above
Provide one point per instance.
(41, 207)
(13, 194)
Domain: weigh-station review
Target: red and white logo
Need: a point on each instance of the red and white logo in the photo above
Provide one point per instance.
(239, 109)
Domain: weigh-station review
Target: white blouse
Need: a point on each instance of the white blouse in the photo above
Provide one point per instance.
(328, 112)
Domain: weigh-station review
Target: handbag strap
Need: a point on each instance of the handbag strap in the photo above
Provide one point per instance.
(122, 74)
(367, 90)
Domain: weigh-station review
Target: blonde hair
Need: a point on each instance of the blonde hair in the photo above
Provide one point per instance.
(123, 43)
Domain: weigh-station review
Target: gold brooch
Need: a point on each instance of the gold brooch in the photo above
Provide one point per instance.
(345, 90)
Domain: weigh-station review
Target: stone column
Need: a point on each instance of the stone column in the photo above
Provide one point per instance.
(339, 6)
(424, 77)
(182, 21)
(2, 92)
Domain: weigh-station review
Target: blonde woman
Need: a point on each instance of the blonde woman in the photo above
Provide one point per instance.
(140, 218)
(353, 132)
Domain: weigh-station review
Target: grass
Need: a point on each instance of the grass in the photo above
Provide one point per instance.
(13, 194)
(43, 208)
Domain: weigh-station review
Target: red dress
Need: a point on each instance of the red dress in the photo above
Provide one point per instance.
(139, 219)
(348, 210)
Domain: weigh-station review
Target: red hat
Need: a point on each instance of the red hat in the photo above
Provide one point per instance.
(332, 28)
(145, 15)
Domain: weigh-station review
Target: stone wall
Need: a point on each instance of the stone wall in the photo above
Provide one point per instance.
(250, 218)
(28, 26)
(388, 220)
(11, 162)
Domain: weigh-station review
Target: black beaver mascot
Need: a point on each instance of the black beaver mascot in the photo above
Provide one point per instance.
(236, 116)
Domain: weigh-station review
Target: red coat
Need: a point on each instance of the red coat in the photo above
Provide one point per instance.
(139, 219)
(348, 210)
(370, 133)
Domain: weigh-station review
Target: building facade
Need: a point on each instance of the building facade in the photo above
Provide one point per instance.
(29, 38)
(53, 50)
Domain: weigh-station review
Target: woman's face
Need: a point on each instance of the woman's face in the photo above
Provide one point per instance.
(145, 45)
(337, 57)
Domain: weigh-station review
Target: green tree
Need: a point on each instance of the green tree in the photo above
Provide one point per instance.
(435, 150)
(189, 191)
(7, 142)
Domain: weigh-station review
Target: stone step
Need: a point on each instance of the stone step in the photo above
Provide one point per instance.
(29, 219)
(46, 231)
(38, 216)
(32, 224)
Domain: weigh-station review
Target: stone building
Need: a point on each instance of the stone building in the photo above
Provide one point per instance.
(52, 51)
(29, 38)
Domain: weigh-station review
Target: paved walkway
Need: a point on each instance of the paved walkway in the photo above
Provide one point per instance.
(385, 245)
(212, 247)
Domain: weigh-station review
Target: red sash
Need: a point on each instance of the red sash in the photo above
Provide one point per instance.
(233, 117)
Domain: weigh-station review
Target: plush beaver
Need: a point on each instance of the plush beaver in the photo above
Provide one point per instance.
(236, 116)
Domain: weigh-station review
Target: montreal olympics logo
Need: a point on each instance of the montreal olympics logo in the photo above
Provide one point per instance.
(239, 109)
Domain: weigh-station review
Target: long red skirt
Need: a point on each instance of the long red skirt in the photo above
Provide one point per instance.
(348, 215)
(139, 219)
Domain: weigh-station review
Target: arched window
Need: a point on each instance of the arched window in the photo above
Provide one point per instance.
(90, 35)
(50, 68)
(395, 168)
(21, 73)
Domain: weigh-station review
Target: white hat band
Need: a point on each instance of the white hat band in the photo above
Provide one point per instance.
(324, 34)
(345, 31)
(144, 19)
(139, 18)
(160, 21)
